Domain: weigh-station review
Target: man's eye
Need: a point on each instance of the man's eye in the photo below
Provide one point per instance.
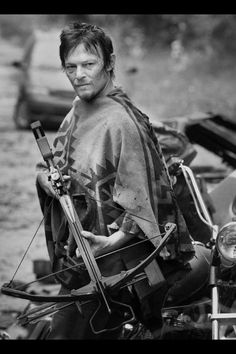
(88, 65)
(70, 68)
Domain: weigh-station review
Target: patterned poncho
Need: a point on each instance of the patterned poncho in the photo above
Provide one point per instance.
(110, 151)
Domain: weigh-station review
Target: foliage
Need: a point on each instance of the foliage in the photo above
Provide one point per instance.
(205, 32)
(170, 64)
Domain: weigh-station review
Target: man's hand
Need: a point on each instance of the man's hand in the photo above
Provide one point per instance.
(104, 244)
(98, 243)
(42, 178)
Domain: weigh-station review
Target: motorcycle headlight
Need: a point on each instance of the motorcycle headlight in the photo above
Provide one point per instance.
(226, 242)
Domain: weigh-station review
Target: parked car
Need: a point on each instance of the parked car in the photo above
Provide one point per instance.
(45, 94)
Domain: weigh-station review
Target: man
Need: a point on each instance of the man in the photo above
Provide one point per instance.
(116, 173)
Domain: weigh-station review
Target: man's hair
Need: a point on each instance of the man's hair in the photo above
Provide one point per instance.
(92, 36)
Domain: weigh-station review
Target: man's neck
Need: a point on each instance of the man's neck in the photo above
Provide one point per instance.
(108, 87)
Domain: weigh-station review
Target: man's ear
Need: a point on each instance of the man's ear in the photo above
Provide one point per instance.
(111, 66)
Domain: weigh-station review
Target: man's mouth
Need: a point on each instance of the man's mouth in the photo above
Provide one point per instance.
(81, 85)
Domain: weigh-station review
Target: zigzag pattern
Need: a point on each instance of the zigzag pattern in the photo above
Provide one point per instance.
(103, 180)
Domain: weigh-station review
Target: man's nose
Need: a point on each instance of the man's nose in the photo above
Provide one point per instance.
(79, 72)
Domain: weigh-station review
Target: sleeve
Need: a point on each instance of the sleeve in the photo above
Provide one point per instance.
(126, 224)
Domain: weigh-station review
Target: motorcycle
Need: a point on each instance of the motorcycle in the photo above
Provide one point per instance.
(195, 301)
(208, 311)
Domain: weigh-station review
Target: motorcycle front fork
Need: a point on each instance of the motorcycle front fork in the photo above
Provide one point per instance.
(215, 303)
(220, 320)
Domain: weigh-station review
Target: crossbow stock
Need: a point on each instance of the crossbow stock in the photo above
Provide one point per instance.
(100, 288)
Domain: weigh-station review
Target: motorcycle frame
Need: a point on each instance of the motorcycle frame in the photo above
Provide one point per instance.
(217, 317)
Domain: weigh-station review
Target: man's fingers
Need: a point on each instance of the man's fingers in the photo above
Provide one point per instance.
(87, 234)
(50, 191)
(165, 253)
(77, 252)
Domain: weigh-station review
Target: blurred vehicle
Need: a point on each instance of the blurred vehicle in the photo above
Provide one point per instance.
(44, 93)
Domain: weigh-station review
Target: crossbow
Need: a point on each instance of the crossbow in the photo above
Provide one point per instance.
(101, 288)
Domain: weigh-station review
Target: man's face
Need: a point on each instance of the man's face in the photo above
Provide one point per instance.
(86, 73)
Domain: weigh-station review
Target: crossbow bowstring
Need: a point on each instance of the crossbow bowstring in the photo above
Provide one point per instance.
(28, 247)
(77, 264)
(49, 308)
